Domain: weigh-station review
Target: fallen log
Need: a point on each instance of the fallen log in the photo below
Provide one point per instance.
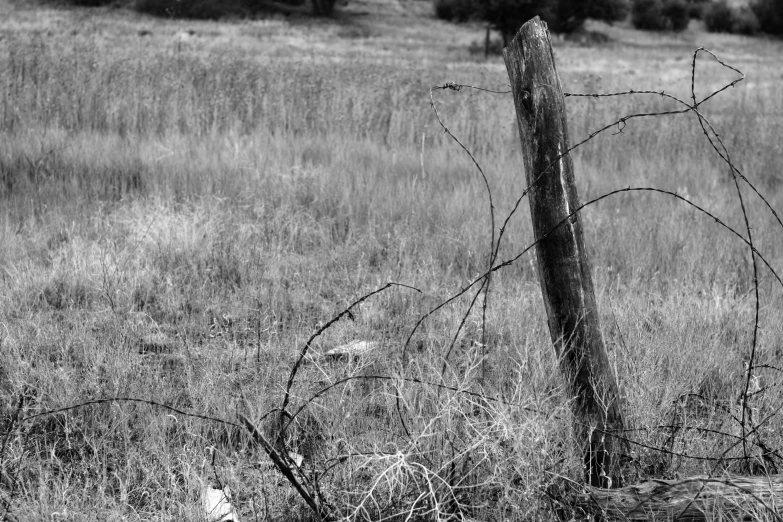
(691, 499)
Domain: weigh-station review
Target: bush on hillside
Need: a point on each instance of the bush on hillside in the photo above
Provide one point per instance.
(198, 9)
(770, 15)
(660, 15)
(746, 22)
(696, 8)
(323, 7)
(90, 3)
(608, 10)
(456, 10)
(214, 9)
(719, 17)
(507, 16)
(647, 15)
(677, 14)
(568, 16)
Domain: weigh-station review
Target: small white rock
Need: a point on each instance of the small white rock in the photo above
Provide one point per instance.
(296, 458)
(217, 505)
(352, 349)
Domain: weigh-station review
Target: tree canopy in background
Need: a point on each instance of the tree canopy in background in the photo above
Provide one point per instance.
(660, 15)
(507, 16)
(215, 9)
(770, 15)
(567, 16)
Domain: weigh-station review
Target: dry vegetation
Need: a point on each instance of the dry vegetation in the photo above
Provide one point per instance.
(183, 204)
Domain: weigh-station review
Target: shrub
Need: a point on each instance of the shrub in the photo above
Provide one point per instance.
(659, 15)
(770, 15)
(648, 15)
(507, 16)
(214, 9)
(88, 3)
(456, 10)
(718, 17)
(198, 9)
(608, 10)
(323, 7)
(444, 9)
(566, 16)
(677, 14)
(745, 22)
(696, 8)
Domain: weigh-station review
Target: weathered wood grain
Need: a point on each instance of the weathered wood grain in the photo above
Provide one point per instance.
(563, 267)
(691, 499)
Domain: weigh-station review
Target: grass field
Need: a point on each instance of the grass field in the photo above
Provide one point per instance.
(185, 203)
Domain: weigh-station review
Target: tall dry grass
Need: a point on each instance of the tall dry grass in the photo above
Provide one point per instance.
(176, 223)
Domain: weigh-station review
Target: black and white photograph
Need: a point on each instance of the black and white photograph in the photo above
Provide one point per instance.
(391, 260)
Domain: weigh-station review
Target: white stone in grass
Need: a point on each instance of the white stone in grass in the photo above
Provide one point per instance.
(184, 36)
(296, 458)
(353, 349)
(217, 505)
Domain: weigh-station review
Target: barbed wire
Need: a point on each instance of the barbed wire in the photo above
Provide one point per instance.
(485, 286)
(718, 146)
(322, 329)
(748, 429)
(549, 415)
(110, 400)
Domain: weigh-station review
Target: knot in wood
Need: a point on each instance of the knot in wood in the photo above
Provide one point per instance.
(527, 101)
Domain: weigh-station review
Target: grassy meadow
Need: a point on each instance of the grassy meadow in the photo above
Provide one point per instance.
(183, 204)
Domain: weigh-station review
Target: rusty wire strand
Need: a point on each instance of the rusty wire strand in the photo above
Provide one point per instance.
(483, 397)
(485, 286)
(620, 123)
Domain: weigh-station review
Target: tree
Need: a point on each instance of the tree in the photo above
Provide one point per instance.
(507, 16)
(214, 9)
(718, 17)
(648, 15)
(562, 16)
(660, 15)
(608, 10)
(677, 13)
(770, 15)
(323, 7)
(457, 10)
(570, 15)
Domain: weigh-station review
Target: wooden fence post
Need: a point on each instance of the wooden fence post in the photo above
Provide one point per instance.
(563, 267)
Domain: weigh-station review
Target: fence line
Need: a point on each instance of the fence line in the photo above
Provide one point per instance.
(308, 484)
